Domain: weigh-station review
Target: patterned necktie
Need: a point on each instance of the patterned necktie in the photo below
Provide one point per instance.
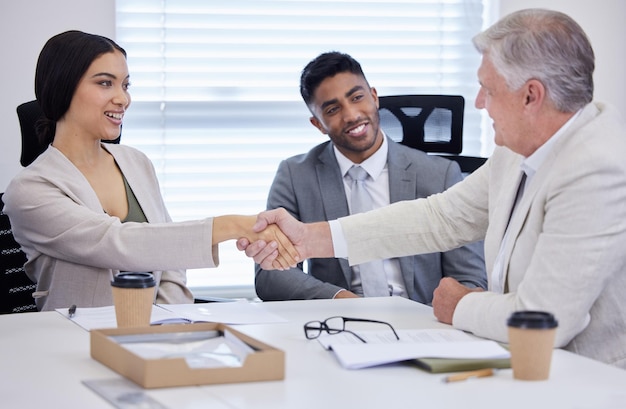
(373, 279)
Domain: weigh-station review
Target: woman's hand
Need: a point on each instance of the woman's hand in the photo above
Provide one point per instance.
(307, 239)
(283, 253)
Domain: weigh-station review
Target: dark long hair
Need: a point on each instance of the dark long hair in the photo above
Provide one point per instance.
(62, 62)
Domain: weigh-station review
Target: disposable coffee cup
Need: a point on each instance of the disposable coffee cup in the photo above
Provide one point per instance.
(531, 340)
(133, 295)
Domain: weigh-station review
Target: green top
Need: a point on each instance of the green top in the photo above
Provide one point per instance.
(135, 214)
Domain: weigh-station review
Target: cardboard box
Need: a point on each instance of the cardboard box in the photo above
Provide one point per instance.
(265, 363)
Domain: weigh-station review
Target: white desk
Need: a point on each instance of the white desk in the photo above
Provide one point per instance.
(45, 357)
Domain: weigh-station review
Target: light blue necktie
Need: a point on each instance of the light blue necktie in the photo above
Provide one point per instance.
(373, 279)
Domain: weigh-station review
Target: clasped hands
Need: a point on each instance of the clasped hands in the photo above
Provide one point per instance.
(283, 241)
(279, 241)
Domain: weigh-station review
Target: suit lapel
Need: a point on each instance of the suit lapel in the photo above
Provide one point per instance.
(402, 182)
(505, 198)
(514, 225)
(331, 185)
(532, 186)
(523, 207)
(333, 194)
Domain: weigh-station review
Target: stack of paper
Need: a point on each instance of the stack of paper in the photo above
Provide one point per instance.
(383, 348)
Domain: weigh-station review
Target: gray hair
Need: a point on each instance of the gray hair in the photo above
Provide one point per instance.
(545, 45)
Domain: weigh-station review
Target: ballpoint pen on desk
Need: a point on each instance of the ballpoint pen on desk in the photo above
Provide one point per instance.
(72, 311)
(462, 376)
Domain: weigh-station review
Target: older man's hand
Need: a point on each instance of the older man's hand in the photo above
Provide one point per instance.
(446, 297)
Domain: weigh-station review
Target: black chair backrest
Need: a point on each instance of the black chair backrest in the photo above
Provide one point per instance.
(28, 114)
(15, 287)
(430, 123)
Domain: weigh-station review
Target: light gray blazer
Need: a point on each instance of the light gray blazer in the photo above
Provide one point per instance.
(73, 247)
(566, 250)
(310, 187)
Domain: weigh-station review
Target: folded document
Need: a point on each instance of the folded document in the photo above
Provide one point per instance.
(448, 344)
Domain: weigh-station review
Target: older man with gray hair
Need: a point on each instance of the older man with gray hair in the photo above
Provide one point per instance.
(550, 202)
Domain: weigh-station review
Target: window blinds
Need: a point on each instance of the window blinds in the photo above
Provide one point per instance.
(216, 104)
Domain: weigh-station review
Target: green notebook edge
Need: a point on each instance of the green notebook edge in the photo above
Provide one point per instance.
(441, 365)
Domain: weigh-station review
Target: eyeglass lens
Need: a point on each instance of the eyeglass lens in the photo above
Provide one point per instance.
(333, 325)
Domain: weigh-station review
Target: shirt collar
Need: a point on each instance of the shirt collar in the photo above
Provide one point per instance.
(531, 164)
(374, 165)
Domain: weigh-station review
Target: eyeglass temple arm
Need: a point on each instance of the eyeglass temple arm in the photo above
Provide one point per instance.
(355, 334)
(346, 319)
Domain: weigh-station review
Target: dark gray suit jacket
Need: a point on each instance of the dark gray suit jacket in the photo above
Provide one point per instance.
(310, 187)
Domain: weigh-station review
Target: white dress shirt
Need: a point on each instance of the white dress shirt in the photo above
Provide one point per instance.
(377, 184)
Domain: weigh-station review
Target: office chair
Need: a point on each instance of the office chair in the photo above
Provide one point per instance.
(28, 114)
(430, 123)
(15, 287)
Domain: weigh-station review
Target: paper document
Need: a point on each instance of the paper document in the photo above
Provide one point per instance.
(240, 312)
(383, 348)
(104, 317)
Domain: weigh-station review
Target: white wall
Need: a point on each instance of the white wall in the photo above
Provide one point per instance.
(25, 26)
(603, 21)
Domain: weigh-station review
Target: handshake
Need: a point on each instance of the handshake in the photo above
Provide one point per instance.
(278, 241)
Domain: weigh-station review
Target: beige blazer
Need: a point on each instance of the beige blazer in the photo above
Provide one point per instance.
(73, 247)
(566, 252)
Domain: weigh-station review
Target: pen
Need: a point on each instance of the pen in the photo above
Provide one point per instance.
(72, 311)
(480, 373)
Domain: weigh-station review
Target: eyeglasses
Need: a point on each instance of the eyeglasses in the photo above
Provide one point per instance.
(335, 325)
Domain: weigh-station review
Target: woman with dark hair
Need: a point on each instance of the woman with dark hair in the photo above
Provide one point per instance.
(61, 64)
(84, 210)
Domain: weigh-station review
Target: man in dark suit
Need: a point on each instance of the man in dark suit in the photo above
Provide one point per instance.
(316, 186)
